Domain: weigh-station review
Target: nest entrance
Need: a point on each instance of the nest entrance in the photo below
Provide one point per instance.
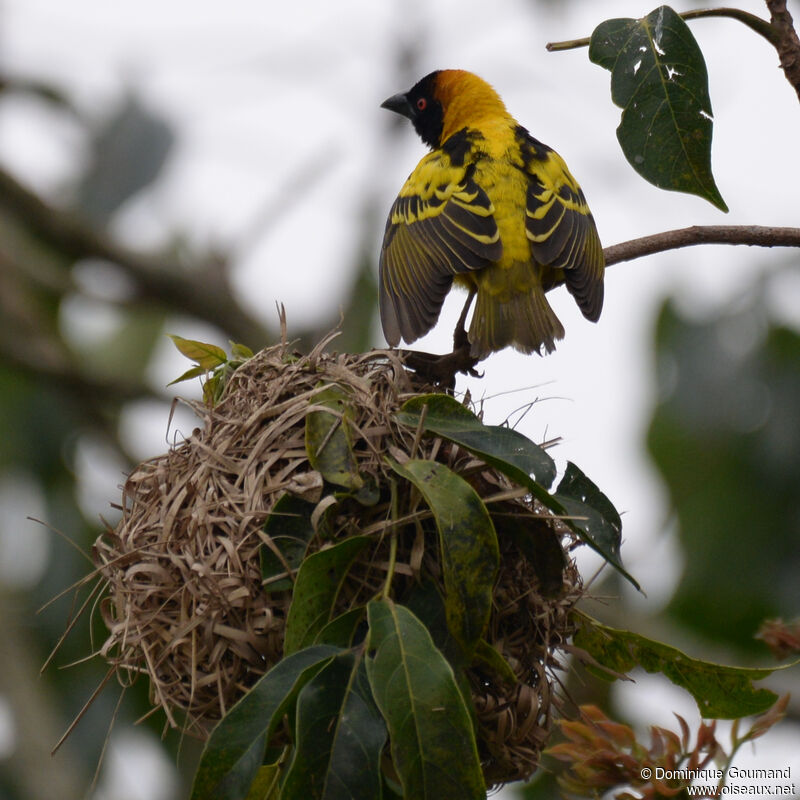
(185, 604)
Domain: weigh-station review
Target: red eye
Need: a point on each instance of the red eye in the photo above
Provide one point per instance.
(422, 104)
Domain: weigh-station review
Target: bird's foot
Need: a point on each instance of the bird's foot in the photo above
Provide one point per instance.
(441, 370)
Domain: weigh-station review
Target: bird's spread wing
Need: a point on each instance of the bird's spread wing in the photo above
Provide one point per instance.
(441, 224)
(560, 226)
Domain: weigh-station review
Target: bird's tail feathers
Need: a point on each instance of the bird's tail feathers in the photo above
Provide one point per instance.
(525, 321)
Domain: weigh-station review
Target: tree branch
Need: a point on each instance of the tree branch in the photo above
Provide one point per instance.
(788, 44)
(760, 26)
(753, 235)
(203, 292)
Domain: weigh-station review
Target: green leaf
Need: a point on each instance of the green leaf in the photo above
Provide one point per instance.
(290, 530)
(240, 352)
(207, 356)
(432, 740)
(468, 543)
(194, 372)
(265, 785)
(424, 600)
(316, 587)
(495, 444)
(659, 79)
(516, 461)
(339, 736)
(490, 658)
(720, 692)
(235, 749)
(591, 512)
(341, 630)
(328, 439)
(540, 545)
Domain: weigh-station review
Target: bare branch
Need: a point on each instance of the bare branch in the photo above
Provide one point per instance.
(753, 235)
(788, 44)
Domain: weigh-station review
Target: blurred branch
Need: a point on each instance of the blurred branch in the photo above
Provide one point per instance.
(753, 235)
(203, 292)
(91, 391)
(41, 90)
(33, 708)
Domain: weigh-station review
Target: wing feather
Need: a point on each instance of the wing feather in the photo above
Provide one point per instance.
(442, 224)
(560, 227)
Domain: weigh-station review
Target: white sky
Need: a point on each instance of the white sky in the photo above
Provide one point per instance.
(261, 93)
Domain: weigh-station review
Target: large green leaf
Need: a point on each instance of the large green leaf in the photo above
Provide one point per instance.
(720, 692)
(432, 741)
(317, 585)
(341, 630)
(515, 461)
(468, 543)
(339, 736)
(290, 530)
(496, 444)
(234, 752)
(266, 784)
(328, 439)
(659, 79)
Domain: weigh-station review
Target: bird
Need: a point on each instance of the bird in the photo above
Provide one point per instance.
(491, 209)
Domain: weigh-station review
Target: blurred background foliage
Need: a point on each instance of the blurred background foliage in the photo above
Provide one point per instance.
(724, 435)
(726, 439)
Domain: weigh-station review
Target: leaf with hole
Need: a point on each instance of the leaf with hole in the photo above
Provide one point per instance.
(659, 79)
(591, 513)
(721, 692)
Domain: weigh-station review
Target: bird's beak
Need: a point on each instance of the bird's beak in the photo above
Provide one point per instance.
(399, 104)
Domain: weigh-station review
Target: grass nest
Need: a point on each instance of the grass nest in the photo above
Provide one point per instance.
(185, 603)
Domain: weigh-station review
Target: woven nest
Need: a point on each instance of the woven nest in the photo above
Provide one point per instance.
(185, 603)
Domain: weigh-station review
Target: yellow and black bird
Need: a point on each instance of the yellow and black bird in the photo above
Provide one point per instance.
(493, 209)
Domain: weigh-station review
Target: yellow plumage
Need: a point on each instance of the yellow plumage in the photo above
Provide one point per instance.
(491, 208)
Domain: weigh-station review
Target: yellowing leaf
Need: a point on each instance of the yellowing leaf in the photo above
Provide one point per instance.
(207, 356)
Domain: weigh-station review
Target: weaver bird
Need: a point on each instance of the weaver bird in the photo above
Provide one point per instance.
(492, 209)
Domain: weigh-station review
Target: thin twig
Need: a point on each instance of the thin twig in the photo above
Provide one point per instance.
(779, 31)
(760, 26)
